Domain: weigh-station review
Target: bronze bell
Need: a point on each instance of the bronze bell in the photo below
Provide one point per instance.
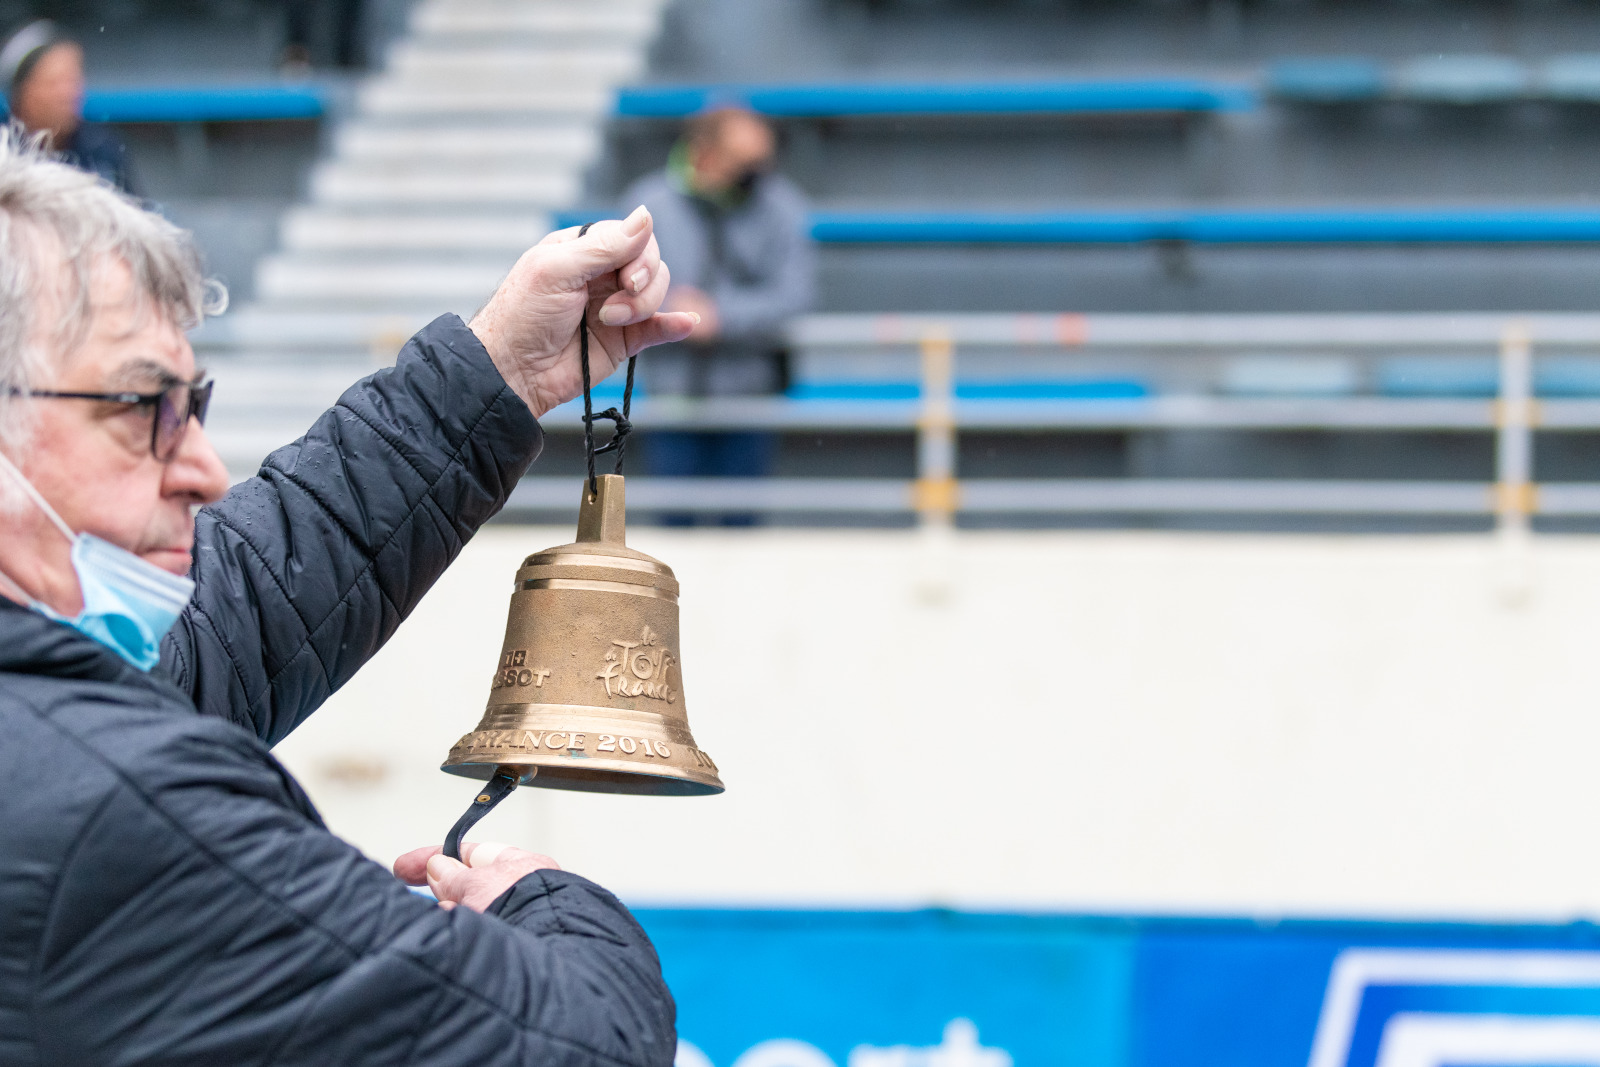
(588, 694)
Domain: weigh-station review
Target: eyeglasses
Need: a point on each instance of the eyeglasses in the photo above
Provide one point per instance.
(174, 406)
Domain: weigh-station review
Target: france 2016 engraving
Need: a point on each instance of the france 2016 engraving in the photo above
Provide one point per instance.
(628, 746)
(569, 741)
(513, 672)
(638, 669)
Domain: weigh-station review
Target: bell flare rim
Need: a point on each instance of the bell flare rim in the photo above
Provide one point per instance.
(628, 781)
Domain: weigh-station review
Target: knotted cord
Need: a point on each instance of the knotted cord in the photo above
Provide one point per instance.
(503, 781)
(619, 419)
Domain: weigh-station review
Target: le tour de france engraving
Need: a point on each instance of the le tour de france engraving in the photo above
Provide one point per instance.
(628, 668)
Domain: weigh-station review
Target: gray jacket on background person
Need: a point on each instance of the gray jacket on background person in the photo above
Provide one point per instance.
(756, 260)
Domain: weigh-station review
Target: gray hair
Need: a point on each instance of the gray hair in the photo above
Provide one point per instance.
(58, 226)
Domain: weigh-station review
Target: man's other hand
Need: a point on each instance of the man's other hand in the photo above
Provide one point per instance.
(490, 870)
(612, 277)
(697, 302)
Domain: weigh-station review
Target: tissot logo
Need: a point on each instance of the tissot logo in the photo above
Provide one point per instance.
(958, 1048)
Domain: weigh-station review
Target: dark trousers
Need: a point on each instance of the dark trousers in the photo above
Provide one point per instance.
(711, 455)
(347, 44)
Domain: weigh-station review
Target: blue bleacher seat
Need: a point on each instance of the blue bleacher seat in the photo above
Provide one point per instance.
(955, 98)
(1326, 80)
(1567, 376)
(1570, 77)
(1465, 79)
(1211, 227)
(1279, 226)
(1479, 376)
(984, 389)
(1445, 376)
(204, 103)
(1289, 375)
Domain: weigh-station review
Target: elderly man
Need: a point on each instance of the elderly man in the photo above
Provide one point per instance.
(742, 242)
(169, 893)
(42, 70)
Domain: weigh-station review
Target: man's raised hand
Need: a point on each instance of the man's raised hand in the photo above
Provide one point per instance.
(490, 869)
(612, 278)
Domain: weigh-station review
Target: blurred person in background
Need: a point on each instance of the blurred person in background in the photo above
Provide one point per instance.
(347, 45)
(740, 244)
(170, 894)
(42, 69)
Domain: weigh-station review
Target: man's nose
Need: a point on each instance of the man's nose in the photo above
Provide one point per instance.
(195, 470)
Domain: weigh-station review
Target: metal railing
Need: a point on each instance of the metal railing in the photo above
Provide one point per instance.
(937, 494)
(937, 348)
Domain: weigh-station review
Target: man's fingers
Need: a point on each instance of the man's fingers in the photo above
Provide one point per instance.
(661, 328)
(412, 868)
(557, 237)
(623, 308)
(482, 853)
(607, 247)
(642, 271)
(444, 875)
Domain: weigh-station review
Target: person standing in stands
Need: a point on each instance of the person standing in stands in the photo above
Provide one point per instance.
(740, 244)
(42, 69)
(348, 49)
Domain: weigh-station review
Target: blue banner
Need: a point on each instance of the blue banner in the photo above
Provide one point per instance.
(951, 989)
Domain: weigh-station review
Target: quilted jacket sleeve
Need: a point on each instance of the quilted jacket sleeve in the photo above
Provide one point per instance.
(201, 919)
(305, 570)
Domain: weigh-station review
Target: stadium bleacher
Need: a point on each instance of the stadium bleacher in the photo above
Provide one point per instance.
(1281, 181)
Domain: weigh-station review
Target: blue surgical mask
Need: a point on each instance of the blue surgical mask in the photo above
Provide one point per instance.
(128, 604)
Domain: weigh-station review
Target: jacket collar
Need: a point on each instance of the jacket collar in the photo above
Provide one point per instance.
(33, 644)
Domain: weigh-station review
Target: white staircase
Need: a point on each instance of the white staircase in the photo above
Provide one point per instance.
(483, 122)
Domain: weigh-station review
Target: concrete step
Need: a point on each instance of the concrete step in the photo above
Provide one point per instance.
(568, 144)
(524, 188)
(321, 230)
(615, 20)
(385, 97)
(431, 64)
(375, 282)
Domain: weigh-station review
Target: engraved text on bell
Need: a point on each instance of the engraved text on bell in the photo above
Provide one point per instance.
(637, 669)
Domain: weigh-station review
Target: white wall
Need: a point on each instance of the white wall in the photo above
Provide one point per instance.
(1171, 722)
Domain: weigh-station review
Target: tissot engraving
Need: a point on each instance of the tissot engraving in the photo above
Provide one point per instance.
(513, 671)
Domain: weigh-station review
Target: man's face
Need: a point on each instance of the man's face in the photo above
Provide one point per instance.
(92, 460)
(51, 98)
(744, 147)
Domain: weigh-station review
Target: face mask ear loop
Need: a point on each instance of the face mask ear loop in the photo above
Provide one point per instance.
(37, 497)
(21, 593)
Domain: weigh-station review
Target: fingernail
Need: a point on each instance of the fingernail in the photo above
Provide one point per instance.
(634, 223)
(640, 276)
(612, 314)
(695, 316)
(439, 866)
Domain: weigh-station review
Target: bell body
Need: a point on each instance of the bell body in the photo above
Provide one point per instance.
(588, 692)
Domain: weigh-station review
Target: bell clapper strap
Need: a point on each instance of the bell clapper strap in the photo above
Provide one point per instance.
(619, 438)
(499, 787)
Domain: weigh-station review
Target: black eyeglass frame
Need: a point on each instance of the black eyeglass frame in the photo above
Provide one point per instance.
(199, 401)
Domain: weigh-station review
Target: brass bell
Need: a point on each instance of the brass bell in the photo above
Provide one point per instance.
(588, 694)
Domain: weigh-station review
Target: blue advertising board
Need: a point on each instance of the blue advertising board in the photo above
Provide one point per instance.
(951, 989)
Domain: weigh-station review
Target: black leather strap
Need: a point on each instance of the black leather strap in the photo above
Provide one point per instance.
(499, 787)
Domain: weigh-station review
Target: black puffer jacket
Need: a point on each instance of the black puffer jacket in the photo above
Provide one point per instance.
(168, 895)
